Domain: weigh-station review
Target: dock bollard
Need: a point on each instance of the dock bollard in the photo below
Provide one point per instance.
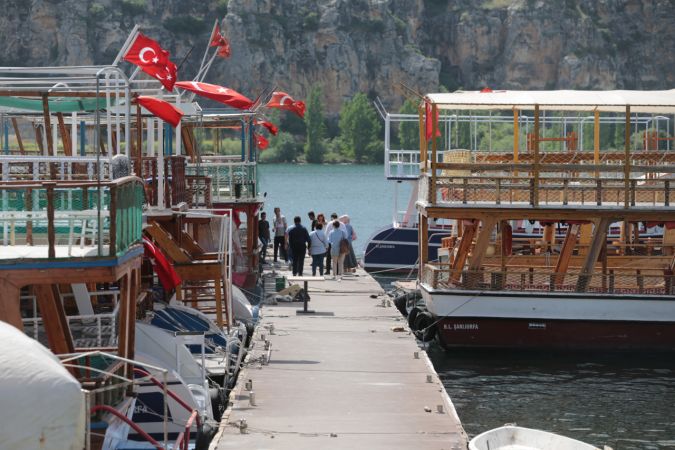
(262, 336)
(243, 426)
(439, 408)
(416, 355)
(251, 398)
(429, 379)
(249, 385)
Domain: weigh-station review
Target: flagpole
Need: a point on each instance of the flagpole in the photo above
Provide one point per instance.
(208, 46)
(127, 43)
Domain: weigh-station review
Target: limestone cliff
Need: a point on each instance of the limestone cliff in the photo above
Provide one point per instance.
(372, 46)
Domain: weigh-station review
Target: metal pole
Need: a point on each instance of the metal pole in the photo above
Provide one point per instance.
(97, 140)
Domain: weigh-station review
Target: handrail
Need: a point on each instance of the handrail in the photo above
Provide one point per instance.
(172, 394)
(129, 422)
(183, 439)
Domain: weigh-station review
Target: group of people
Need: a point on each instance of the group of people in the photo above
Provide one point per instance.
(329, 241)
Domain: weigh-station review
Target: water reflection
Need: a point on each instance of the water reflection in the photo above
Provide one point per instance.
(626, 401)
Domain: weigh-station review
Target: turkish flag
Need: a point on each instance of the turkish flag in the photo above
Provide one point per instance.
(152, 59)
(261, 142)
(429, 122)
(282, 100)
(218, 93)
(270, 127)
(219, 40)
(165, 272)
(159, 108)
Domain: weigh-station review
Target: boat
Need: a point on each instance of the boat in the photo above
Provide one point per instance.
(511, 437)
(393, 248)
(591, 288)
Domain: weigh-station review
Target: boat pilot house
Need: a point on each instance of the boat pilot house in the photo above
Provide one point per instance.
(563, 225)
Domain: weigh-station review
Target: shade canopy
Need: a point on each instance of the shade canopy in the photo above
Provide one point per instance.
(652, 102)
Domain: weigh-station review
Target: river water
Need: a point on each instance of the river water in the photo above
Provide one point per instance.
(626, 401)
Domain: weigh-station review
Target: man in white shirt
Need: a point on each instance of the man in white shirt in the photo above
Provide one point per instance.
(318, 246)
(280, 226)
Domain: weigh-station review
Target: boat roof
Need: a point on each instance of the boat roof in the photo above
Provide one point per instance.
(662, 102)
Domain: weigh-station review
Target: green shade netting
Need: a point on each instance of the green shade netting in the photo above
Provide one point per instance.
(55, 106)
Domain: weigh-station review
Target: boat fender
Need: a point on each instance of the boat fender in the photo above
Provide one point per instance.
(217, 402)
(412, 315)
(205, 437)
(400, 303)
(425, 326)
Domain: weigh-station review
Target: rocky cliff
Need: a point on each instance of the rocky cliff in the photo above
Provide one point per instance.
(371, 46)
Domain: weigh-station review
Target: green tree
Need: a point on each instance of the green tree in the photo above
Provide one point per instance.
(316, 129)
(409, 132)
(360, 130)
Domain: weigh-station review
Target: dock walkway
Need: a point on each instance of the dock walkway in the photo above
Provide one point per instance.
(341, 378)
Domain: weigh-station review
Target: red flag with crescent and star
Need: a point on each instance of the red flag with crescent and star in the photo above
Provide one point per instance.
(282, 100)
(270, 126)
(218, 93)
(165, 272)
(219, 40)
(164, 110)
(152, 59)
(261, 142)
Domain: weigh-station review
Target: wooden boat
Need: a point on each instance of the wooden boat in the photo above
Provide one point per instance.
(510, 437)
(589, 290)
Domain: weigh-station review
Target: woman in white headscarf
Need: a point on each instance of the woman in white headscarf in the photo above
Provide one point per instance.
(350, 259)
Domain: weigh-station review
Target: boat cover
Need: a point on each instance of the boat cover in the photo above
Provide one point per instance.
(606, 101)
(42, 403)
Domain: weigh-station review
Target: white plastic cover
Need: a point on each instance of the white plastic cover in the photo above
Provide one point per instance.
(42, 403)
(608, 101)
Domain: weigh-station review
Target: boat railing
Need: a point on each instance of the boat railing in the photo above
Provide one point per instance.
(615, 281)
(609, 183)
(62, 168)
(50, 220)
(231, 180)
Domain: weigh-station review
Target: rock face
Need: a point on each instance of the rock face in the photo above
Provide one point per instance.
(372, 46)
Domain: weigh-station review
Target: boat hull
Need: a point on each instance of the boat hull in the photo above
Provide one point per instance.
(552, 321)
(395, 249)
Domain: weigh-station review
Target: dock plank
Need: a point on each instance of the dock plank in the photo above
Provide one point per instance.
(339, 379)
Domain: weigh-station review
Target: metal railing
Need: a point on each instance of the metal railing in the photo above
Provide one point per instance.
(46, 219)
(231, 179)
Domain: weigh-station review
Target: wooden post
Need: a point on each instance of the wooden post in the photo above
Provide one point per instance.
(596, 140)
(423, 140)
(48, 123)
(65, 135)
(463, 250)
(38, 139)
(54, 319)
(18, 136)
(566, 251)
(51, 232)
(424, 241)
(10, 303)
(516, 137)
(535, 147)
(482, 241)
(125, 321)
(626, 167)
(434, 148)
(112, 251)
(599, 238)
(139, 141)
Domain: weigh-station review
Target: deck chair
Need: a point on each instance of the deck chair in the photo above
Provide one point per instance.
(203, 269)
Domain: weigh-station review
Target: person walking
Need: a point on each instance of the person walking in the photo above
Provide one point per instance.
(350, 258)
(280, 226)
(263, 234)
(318, 247)
(299, 244)
(312, 220)
(326, 229)
(335, 237)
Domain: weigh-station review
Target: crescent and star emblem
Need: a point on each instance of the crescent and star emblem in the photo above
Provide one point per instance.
(283, 100)
(144, 50)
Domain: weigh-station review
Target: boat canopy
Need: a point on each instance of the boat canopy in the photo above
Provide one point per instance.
(658, 102)
(61, 105)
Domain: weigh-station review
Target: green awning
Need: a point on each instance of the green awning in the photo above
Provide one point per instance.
(57, 105)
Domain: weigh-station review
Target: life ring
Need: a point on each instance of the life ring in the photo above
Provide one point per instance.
(425, 326)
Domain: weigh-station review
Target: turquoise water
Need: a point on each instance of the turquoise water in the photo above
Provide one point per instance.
(359, 191)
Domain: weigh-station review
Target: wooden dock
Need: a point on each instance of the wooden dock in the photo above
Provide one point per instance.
(338, 378)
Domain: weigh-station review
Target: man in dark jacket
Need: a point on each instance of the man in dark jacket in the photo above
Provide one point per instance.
(263, 234)
(298, 242)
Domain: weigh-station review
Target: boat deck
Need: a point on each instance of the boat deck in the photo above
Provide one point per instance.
(340, 378)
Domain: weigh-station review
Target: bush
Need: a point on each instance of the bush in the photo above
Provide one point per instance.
(133, 7)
